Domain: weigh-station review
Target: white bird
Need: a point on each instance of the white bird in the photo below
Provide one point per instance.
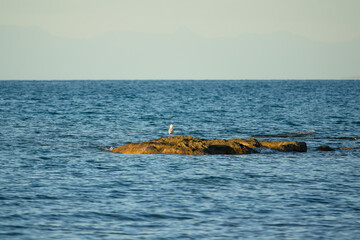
(171, 130)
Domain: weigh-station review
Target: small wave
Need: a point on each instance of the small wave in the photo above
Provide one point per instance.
(208, 180)
(290, 134)
(167, 216)
(105, 215)
(338, 138)
(45, 197)
(308, 132)
(298, 133)
(107, 149)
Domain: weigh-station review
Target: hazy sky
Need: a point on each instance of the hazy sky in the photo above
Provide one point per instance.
(323, 20)
(179, 39)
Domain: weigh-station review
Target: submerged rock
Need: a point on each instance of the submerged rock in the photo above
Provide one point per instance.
(349, 148)
(194, 146)
(325, 148)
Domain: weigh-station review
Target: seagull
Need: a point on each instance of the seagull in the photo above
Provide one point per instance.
(171, 130)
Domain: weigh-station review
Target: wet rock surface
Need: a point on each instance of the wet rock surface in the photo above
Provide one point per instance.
(194, 146)
(325, 148)
(350, 148)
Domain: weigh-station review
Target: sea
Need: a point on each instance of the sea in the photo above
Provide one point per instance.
(59, 180)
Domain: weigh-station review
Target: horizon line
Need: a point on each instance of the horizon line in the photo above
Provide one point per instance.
(175, 79)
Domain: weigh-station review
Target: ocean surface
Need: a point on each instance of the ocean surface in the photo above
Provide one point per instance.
(58, 179)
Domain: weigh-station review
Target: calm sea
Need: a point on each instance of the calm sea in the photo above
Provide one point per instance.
(58, 181)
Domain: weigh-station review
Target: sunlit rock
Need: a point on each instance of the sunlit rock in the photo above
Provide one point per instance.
(194, 146)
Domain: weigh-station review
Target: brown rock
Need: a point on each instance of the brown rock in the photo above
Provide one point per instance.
(285, 146)
(325, 148)
(349, 148)
(193, 146)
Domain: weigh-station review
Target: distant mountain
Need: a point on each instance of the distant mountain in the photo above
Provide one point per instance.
(31, 53)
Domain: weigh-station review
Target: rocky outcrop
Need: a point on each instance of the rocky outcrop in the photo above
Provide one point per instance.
(327, 148)
(194, 146)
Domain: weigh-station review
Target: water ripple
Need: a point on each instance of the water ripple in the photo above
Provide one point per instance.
(57, 182)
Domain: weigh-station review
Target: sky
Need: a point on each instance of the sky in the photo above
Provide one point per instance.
(323, 22)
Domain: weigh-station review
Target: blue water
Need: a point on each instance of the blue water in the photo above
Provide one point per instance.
(58, 181)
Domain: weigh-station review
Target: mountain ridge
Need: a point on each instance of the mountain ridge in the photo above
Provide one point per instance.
(32, 53)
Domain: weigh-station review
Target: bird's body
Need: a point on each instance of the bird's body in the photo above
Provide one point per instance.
(171, 130)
